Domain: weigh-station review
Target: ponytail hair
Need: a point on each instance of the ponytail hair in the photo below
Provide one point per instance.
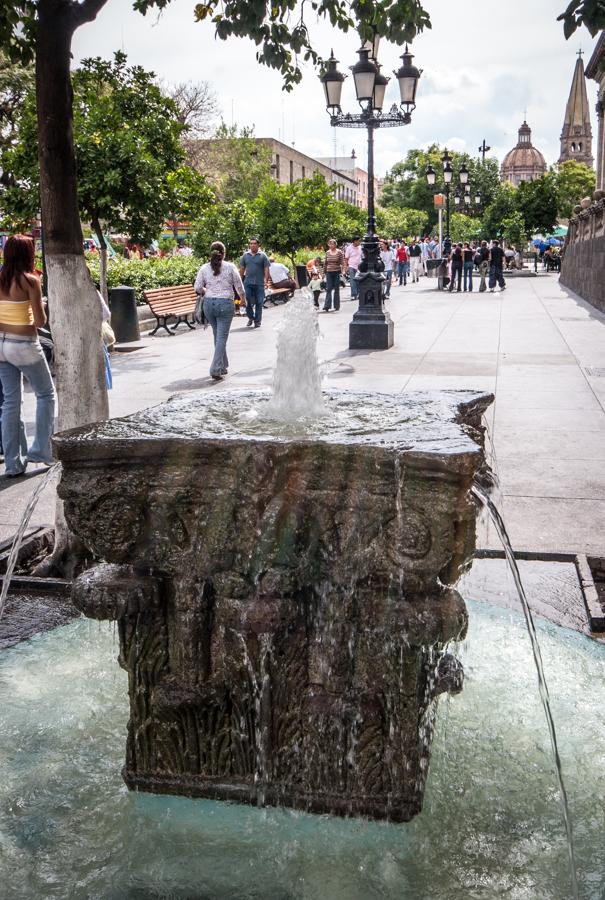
(217, 255)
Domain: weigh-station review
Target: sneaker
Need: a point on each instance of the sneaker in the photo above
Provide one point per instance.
(491, 290)
(217, 377)
(257, 324)
(250, 323)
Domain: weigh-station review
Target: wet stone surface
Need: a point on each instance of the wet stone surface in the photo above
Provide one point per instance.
(28, 613)
(284, 593)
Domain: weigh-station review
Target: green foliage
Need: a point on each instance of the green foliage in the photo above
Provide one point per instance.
(512, 229)
(232, 223)
(538, 201)
(463, 228)
(590, 13)
(236, 162)
(406, 186)
(126, 140)
(574, 181)
(351, 221)
(502, 207)
(189, 194)
(302, 214)
(395, 222)
(145, 274)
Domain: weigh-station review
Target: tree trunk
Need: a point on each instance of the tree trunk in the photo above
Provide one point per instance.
(74, 308)
(96, 226)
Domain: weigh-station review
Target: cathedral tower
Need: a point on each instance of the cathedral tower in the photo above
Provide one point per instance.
(576, 137)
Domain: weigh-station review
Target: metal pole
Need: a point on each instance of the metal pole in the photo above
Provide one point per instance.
(448, 241)
(371, 211)
(440, 231)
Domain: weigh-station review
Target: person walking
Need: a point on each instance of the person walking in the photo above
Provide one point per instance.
(21, 313)
(315, 287)
(482, 262)
(468, 266)
(254, 270)
(401, 256)
(333, 269)
(386, 255)
(415, 254)
(425, 253)
(353, 259)
(218, 281)
(456, 262)
(496, 264)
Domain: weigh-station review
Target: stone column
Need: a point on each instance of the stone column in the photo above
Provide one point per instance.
(600, 183)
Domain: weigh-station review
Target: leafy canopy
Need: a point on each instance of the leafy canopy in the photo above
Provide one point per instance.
(574, 181)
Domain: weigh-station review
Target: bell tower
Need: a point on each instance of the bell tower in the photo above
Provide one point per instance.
(576, 136)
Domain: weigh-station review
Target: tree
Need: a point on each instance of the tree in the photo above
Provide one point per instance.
(574, 181)
(401, 222)
(537, 201)
(406, 185)
(188, 195)
(44, 30)
(351, 221)
(512, 229)
(236, 163)
(123, 126)
(16, 81)
(502, 207)
(232, 223)
(291, 216)
(463, 228)
(197, 110)
(590, 13)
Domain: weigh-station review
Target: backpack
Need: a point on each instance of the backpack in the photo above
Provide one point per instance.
(478, 258)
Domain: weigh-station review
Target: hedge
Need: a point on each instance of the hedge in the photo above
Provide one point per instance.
(144, 274)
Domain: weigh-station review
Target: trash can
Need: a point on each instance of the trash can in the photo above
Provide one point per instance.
(124, 318)
(302, 276)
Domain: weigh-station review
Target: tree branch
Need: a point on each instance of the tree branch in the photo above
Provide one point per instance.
(87, 11)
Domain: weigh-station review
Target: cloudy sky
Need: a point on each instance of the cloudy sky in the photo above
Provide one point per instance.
(484, 63)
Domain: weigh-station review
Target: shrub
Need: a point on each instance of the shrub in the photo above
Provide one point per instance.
(144, 274)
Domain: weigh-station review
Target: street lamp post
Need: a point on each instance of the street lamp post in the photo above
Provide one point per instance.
(372, 327)
(459, 198)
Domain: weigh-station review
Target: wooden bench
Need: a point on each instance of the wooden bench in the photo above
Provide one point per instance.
(278, 295)
(172, 303)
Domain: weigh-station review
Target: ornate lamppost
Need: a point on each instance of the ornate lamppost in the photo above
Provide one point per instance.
(448, 174)
(372, 327)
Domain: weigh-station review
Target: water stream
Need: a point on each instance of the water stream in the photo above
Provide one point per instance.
(496, 518)
(18, 539)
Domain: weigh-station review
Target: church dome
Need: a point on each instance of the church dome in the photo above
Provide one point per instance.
(524, 162)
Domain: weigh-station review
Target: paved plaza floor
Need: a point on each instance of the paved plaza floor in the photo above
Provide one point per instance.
(537, 347)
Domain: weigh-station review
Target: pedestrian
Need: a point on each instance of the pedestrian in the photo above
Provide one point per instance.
(218, 281)
(280, 275)
(386, 255)
(425, 253)
(353, 259)
(315, 287)
(482, 263)
(496, 264)
(401, 256)
(456, 262)
(468, 266)
(333, 267)
(254, 270)
(509, 257)
(415, 254)
(21, 313)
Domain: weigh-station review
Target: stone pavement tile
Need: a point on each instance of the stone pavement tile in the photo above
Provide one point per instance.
(550, 419)
(523, 399)
(554, 526)
(451, 382)
(466, 364)
(541, 443)
(538, 477)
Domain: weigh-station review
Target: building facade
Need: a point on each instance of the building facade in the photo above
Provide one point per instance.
(347, 165)
(289, 165)
(524, 162)
(576, 136)
(596, 71)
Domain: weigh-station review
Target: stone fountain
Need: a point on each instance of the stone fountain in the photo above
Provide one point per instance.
(283, 592)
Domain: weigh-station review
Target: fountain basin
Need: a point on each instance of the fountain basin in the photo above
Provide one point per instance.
(284, 592)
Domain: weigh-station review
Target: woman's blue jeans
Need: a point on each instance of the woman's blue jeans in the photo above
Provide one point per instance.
(219, 312)
(20, 355)
(468, 275)
(332, 290)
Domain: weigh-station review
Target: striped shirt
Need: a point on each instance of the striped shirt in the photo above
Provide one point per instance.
(334, 261)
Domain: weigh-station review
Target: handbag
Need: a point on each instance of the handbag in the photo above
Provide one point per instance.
(199, 316)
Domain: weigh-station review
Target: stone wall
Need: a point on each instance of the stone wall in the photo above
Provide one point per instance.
(583, 266)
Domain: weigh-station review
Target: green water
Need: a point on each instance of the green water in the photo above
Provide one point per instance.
(491, 825)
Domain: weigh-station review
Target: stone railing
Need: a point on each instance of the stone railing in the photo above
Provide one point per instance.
(583, 266)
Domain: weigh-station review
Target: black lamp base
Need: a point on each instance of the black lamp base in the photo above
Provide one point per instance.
(371, 333)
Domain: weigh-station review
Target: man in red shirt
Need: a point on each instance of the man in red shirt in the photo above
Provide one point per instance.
(401, 255)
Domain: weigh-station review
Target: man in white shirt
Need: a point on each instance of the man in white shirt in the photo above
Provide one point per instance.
(280, 275)
(426, 252)
(353, 259)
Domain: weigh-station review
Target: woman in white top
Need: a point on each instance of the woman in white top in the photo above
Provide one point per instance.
(218, 282)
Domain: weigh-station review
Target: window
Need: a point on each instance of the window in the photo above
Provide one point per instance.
(580, 146)
(291, 172)
(277, 167)
(573, 146)
(304, 172)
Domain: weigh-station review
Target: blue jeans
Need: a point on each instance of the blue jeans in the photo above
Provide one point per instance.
(255, 297)
(495, 275)
(219, 313)
(387, 285)
(332, 288)
(402, 272)
(354, 284)
(468, 275)
(20, 355)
